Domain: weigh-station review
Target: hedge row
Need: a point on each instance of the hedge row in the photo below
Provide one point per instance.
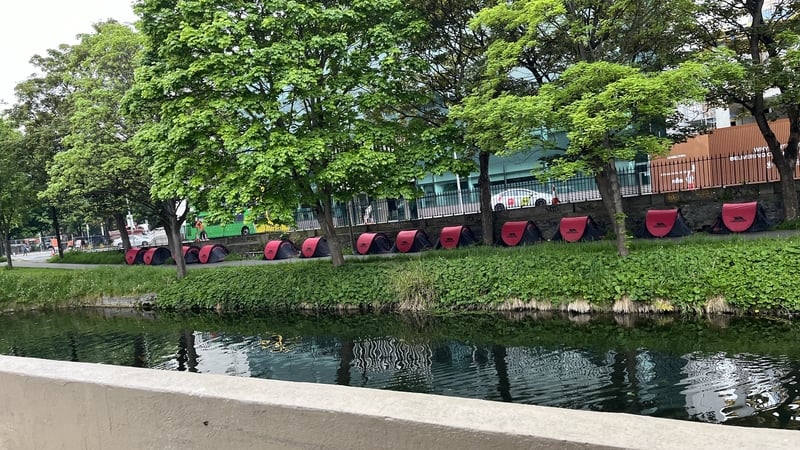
(747, 275)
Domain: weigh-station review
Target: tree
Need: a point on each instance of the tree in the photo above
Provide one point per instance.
(41, 111)
(753, 53)
(16, 190)
(95, 170)
(580, 46)
(455, 55)
(275, 104)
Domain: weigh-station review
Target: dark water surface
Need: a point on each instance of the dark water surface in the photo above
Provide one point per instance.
(739, 371)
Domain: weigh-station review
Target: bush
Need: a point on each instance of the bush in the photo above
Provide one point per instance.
(79, 257)
(748, 275)
(691, 275)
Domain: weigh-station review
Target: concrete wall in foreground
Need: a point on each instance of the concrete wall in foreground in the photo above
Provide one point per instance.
(50, 404)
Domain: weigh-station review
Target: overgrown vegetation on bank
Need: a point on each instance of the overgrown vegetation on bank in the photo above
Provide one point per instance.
(700, 274)
(78, 257)
(52, 288)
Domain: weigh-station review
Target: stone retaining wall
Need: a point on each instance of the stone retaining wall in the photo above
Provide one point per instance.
(54, 404)
(700, 207)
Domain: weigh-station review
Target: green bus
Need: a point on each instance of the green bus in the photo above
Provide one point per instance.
(240, 225)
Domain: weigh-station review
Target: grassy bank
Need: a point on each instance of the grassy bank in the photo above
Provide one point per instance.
(700, 274)
(52, 287)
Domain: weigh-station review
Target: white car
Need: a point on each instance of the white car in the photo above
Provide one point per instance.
(137, 240)
(518, 198)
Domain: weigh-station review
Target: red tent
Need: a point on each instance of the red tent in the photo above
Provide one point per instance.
(661, 223)
(280, 249)
(522, 232)
(411, 241)
(315, 247)
(191, 254)
(212, 253)
(457, 236)
(574, 229)
(741, 218)
(369, 243)
(135, 255)
(156, 256)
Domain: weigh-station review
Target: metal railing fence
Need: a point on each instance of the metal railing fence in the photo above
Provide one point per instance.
(654, 177)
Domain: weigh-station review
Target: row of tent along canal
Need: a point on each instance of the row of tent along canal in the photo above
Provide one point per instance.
(734, 218)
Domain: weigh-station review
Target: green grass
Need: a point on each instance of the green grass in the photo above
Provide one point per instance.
(79, 257)
(685, 275)
(42, 288)
(695, 274)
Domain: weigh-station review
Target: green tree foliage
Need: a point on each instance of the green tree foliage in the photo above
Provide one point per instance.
(455, 55)
(580, 67)
(96, 171)
(92, 169)
(16, 189)
(277, 103)
(752, 49)
(42, 111)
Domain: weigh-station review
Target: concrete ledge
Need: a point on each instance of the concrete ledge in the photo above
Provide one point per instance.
(51, 404)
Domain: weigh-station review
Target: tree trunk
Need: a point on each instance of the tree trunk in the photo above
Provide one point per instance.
(608, 184)
(175, 244)
(790, 154)
(119, 219)
(785, 162)
(57, 229)
(324, 210)
(107, 231)
(7, 249)
(168, 211)
(487, 213)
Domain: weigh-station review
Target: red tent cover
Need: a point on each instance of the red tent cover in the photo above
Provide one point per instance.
(191, 254)
(135, 255)
(572, 228)
(659, 222)
(212, 253)
(411, 241)
(365, 242)
(405, 240)
(450, 236)
(738, 217)
(309, 248)
(279, 249)
(156, 256)
(271, 249)
(515, 233)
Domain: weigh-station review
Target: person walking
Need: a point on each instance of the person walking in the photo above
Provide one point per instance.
(368, 215)
(201, 230)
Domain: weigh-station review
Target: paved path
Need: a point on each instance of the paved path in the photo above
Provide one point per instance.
(39, 259)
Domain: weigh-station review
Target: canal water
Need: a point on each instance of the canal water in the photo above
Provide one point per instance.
(736, 371)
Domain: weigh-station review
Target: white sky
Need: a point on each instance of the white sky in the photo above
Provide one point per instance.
(31, 27)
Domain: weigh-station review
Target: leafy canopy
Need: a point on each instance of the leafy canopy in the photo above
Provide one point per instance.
(276, 103)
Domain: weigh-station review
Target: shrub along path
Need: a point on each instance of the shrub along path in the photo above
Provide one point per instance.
(742, 273)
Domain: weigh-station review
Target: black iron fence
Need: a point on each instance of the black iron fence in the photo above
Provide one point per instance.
(657, 176)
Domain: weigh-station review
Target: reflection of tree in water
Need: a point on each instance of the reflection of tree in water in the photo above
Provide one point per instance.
(73, 348)
(187, 354)
(721, 388)
(500, 364)
(139, 351)
(345, 361)
(409, 364)
(788, 413)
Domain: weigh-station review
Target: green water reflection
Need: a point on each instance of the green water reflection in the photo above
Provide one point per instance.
(739, 371)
